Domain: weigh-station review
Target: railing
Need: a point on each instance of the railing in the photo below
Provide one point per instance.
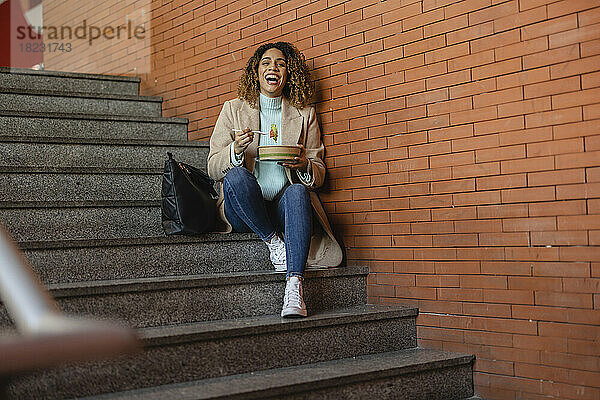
(47, 337)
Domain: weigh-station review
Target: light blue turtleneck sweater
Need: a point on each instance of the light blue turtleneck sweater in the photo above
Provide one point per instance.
(271, 176)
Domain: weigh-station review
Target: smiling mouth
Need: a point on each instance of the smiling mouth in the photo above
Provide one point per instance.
(272, 79)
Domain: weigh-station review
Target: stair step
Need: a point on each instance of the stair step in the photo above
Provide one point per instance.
(145, 257)
(219, 348)
(63, 152)
(27, 124)
(27, 79)
(29, 188)
(145, 302)
(407, 374)
(79, 103)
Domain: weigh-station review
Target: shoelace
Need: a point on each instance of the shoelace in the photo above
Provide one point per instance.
(292, 296)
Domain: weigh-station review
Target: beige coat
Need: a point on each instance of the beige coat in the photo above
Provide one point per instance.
(297, 127)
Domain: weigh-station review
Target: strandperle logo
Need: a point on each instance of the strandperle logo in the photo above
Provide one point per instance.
(83, 31)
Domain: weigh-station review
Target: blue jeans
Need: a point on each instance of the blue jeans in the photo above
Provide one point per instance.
(290, 213)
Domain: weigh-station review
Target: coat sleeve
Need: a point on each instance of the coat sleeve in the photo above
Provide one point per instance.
(219, 160)
(314, 151)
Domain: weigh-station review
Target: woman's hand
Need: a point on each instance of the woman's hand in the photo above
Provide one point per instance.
(300, 163)
(242, 140)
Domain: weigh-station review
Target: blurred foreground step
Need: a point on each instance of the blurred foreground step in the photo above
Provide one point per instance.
(211, 349)
(405, 374)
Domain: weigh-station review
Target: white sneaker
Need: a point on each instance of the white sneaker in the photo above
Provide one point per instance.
(277, 248)
(293, 303)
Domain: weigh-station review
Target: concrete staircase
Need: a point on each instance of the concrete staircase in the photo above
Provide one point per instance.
(81, 160)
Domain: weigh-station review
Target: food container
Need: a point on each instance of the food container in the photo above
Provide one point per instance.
(278, 153)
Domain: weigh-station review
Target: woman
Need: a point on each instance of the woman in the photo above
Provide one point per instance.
(271, 198)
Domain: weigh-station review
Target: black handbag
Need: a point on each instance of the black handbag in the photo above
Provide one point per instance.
(188, 199)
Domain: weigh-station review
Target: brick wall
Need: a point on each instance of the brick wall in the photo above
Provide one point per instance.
(463, 147)
(107, 43)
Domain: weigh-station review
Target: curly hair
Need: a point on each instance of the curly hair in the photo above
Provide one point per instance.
(298, 88)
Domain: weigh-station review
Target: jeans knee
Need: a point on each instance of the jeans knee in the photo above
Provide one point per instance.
(297, 191)
(237, 175)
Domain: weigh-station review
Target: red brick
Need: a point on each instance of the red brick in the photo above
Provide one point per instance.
(590, 48)
(524, 107)
(562, 238)
(567, 7)
(412, 241)
(475, 143)
(413, 189)
(520, 19)
(593, 174)
(499, 125)
(457, 294)
(575, 129)
(555, 147)
(550, 57)
(447, 53)
(504, 239)
(490, 197)
(449, 79)
(406, 114)
(455, 213)
(524, 78)
(437, 281)
(562, 299)
(591, 112)
(405, 89)
(454, 132)
(528, 195)
(527, 165)
(483, 282)
(529, 224)
(497, 69)
(481, 253)
(502, 211)
(574, 36)
(505, 268)
(463, 185)
(558, 208)
(579, 66)
(552, 87)
(430, 175)
(524, 48)
(587, 159)
(508, 296)
(554, 117)
(464, 158)
(581, 97)
(581, 285)
(531, 253)
(471, 88)
(470, 34)
(472, 60)
(578, 222)
(592, 143)
(433, 201)
(445, 26)
(477, 226)
(549, 27)
(502, 182)
(348, 66)
(430, 96)
(497, 97)
(581, 191)
(500, 153)
(407, 139)
(475, 170)
(399, 38)
(495, 41)
(562, 177)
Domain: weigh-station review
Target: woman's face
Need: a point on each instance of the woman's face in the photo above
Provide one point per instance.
(272, 73)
